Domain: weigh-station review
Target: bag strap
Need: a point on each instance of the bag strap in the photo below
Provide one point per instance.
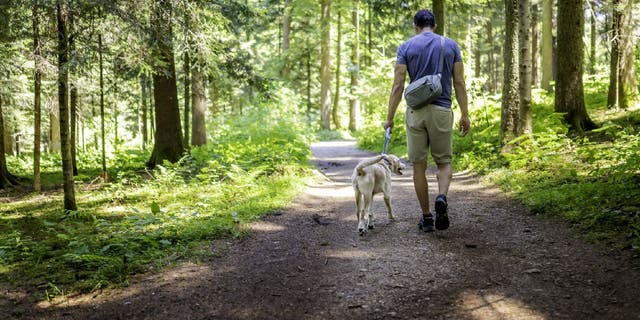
(440, 65)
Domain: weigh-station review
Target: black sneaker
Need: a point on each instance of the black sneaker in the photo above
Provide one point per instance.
(426, 223)
(442, 218)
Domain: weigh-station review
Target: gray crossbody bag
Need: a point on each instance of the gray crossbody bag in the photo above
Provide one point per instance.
(426, 89)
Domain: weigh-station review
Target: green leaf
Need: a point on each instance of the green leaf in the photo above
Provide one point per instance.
(155, 208)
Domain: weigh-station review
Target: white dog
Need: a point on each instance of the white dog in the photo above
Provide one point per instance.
(372, 176)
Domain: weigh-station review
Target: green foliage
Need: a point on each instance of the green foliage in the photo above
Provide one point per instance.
(145, 220)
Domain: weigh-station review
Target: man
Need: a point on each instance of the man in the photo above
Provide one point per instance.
(430, 128)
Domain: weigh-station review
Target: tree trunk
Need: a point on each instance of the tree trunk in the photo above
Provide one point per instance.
(187, 93)
(63, 103)
(54, 127)
(308, 77)
(491, 63)
(325, 65)
(547, 45)
(199, 134)
(510, 93)
(569, 90)
(143, 97)
(612, 97)
(6, 178)
(524, 39)
(354, 102)
(335, 114)
(37, 101)
(439, 11)
(102, 125)
(286, 29)
(369, 37)
(168, 134)
(627, 85)
(187, 77)
(592, 37)
(73, 95)
(534, 44)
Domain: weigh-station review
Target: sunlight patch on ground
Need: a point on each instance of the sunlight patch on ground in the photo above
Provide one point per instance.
(496, 307)
(264, 226)
(343, 192)
(349, 254)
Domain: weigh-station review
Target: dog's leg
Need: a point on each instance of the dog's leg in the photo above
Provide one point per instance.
(368, 202)
(387, 202)
(363, 223)
(358, 202)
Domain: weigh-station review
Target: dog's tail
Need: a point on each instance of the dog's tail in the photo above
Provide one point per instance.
(369, 162)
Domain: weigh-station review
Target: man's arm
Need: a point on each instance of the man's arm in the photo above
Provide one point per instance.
(395, 97)
(461, 97)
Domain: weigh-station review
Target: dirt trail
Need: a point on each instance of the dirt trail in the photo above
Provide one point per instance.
(308, 262)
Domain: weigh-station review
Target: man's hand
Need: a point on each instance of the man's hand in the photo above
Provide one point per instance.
(388, 124)
(465, 125)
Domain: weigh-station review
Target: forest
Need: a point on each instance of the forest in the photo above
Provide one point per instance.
(133, 133)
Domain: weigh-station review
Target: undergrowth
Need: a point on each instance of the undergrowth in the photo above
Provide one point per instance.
(592, 181)
(145, 220)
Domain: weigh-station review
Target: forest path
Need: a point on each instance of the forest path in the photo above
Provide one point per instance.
(308, 262)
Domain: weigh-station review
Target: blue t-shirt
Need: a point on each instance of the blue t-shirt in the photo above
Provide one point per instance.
(421, 55)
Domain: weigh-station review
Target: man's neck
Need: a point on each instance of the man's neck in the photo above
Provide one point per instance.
(425, 30)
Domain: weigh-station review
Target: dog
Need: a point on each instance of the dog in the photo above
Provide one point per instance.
(370, 177)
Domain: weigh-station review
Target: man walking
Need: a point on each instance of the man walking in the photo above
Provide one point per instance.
(430, 128)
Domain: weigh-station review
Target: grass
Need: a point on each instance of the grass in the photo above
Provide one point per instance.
(146, 220)
(591, 181)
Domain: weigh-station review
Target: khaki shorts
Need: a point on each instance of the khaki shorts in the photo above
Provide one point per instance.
(429, 128)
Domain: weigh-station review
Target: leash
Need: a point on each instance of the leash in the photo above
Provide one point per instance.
(387, 138)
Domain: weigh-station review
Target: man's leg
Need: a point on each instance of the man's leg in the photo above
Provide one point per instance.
(421, 185)
(444, 178)
(422, 191)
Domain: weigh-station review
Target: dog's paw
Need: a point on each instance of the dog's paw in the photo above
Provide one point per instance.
(362, 232)
(371, 226)
(362, 227)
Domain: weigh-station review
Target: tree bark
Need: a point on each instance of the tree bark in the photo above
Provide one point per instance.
(63, 105)
(54, 127)
(102, 124)
(6, 178)
(524, 39)
(168, 134)
(143, 97)
(286, 29)
(187, 78)
(37, 101)
(73, 102)
(547, 45)
(354, 102)
(187, 93)
(325, 65)
(510, 92)
(534, 44)
(612, 97)
(199, 134)
(491, 63)
(569, 89)
(335, 114)
(439, 11)
(627, 85)
(592, 37)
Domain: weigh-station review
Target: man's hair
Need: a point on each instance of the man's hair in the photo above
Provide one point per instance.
(424, 18)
